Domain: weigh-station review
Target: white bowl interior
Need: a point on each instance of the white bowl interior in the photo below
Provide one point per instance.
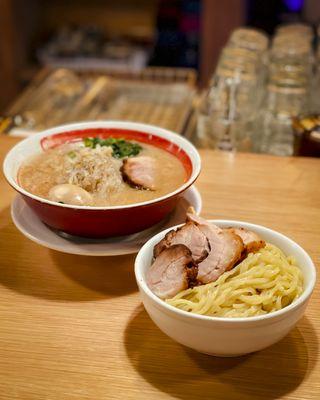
(32, 146)
(288, 246)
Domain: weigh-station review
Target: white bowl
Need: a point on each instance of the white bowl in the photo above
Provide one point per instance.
(227, 337)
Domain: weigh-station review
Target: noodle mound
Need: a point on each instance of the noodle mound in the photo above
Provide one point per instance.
(263, 282)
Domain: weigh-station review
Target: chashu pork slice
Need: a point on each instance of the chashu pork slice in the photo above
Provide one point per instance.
(139, 172)
(204, 225)
(191, 236)
(252, 242)
(172, 271)
(226, 250)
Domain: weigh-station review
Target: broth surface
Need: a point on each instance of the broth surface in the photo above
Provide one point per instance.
(43, 171)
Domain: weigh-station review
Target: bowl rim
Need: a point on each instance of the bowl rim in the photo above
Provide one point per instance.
(188, 147)
(198, 317)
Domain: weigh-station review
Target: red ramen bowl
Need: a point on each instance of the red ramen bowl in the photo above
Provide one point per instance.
(99, 222)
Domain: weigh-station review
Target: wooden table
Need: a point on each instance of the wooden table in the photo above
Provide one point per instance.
(73, 327)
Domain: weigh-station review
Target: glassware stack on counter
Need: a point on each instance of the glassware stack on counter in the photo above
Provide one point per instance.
(290, 73)
(227, 109)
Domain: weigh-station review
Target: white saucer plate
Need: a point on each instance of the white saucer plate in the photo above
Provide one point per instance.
(31, 226)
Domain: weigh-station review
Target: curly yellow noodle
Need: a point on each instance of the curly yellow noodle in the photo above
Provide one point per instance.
(264, 282)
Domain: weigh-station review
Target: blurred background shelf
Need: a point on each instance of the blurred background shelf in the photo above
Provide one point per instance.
(130, 45)
(175, 33)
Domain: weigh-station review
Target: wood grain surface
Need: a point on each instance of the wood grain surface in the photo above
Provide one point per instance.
(73, 327)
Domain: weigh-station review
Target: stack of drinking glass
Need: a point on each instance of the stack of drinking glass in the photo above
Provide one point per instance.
(226, 112)
(256, 91)
(288, 91)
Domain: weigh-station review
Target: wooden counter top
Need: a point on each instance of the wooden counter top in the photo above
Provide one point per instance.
(73, 327)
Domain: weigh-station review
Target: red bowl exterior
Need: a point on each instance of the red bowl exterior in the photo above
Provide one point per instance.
(102, 223)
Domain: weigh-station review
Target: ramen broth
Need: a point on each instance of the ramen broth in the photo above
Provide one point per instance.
(60, 165)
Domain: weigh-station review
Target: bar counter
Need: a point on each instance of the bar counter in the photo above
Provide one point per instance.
(73, 327)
